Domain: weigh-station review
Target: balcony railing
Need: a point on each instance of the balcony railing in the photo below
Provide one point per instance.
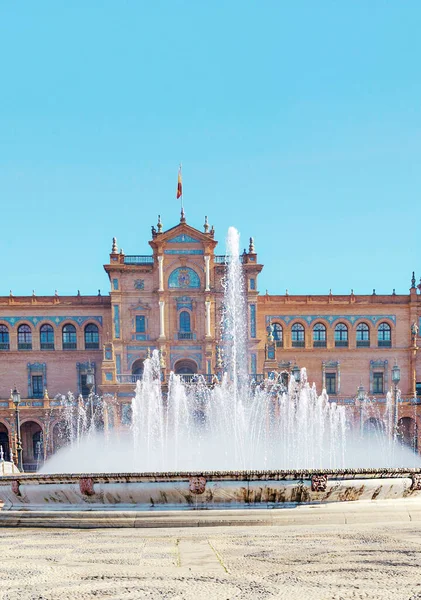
(222, 260)
(341, 343)
(4, 346)
(128, 378)
(185, 335)
(384, 343)
(363, 343)
(47, 345)
(298, 344)
(91, 345)
(138, 260)
(69, 345)
(319, 344)
(24, 346)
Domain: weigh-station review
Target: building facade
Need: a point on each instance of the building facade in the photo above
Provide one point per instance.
(171, 300)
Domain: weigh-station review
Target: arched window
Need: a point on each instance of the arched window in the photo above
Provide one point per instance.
(363, 335)
(91, 337)
(24, 337)
(69, 337)
(137, 369)
(4, 338)
(184, 332)
(384, 335)
(46, 337)
(278, 335)
(297, 335)
(341, 335)
(319, 336)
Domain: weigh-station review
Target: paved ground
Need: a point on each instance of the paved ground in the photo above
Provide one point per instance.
(314, 563)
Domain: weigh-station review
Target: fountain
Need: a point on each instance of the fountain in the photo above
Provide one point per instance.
(234, 443)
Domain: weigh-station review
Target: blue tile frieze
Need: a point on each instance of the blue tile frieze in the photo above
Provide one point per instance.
(309, 319)
(183, 238)
(57, 320)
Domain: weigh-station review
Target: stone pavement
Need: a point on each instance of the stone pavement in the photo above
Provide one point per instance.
(317, 562)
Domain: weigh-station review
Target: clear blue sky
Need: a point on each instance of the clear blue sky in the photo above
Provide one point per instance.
(297, 122)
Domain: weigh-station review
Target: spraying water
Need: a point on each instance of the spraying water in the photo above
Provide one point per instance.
(235, 424)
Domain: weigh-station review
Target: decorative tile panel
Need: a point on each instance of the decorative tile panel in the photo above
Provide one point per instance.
(252, 320)
(253, 364)
(116, 320)
(184, 302)
(183, 238)
(56, 320)
(184, 277)
(309, 319)
(118, 363)
(182, 251)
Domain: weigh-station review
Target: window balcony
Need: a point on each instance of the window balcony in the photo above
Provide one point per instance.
(91, 345)
(298, 344)
(279, 343)
(363, 343)
(4, 346)
(69, 345)
(319, 344)
(24, 346)
(341, 344)
(185, 335)
(47, 345)
(384, 343)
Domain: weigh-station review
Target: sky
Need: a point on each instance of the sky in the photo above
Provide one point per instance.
(297, 122)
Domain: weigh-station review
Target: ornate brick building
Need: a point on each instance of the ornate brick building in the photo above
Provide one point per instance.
(171, 300)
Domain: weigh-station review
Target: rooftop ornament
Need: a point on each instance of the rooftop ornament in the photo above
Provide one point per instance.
(252, 249)
(206, 225)
(159, 224)
(413, 281)
(114, 248)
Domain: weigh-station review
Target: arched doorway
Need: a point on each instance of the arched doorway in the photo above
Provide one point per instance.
(32, 445)
(185, 366)
(137, 368)
(407, 433)
(4, 441)
(373, 426)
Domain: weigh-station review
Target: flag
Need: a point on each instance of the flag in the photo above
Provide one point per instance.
(179, 184)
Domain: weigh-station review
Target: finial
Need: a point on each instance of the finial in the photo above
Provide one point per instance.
(418, 286)
(286, 292)
(33, 292)
(99, 293)
(46, 396)
(352, 292)
(11, 293)
(251, 246)
(78, 292)
(56, 293)
(148, 352)
(121, 251)
(159, 224)
(413, 280)
(153, 231)
(219, 363)
(269, 330)
(114, 248)
(206, 225)
(374, 292)
(161, 360)
(394, 292)
(183, 216)
(330, 292)
(212, 231)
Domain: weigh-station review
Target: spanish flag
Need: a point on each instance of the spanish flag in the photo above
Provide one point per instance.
(179, 184)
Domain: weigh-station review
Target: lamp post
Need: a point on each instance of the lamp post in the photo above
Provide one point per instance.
(296, 373)
(361, 398)
(90, 383)
(16, 402)
(396, 377)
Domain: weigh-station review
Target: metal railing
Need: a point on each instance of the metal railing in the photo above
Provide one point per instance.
(128, 378)
(47, 345)
(319, 344)
(185, 335)
(24, 346)
(91, 345)
(298, 344)
(384, 343)
(69, 345)
(341, 344)
(363, 343)
(220, 259)
(138, 260)
(4, 346)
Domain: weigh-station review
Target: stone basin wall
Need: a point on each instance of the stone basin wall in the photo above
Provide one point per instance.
(199, 490)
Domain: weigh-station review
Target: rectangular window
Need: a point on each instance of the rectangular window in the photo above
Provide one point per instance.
(418, 388)
(377, 383)
(83, 385)
(331, 383)
(252, 320)
(115, 284)
(252, 284)
(140, 324)
(37, 386)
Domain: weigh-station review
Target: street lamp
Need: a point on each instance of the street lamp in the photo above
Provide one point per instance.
(296, 373)
(361, 398)
(396, 377)
(16, 402)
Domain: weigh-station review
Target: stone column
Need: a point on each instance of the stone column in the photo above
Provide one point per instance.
(161, 272)
(208, 318)
(207, 274)
(161, 319)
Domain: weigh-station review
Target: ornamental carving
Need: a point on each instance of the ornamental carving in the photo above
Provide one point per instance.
(184, 277)
(16, 487)
(86, 486)
(416, 482)
(139, 284)
(197, 485)
(319, 483)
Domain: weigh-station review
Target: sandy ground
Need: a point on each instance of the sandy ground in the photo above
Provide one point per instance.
(318, 562)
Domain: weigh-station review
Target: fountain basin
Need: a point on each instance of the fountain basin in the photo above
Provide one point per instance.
(204, 490)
